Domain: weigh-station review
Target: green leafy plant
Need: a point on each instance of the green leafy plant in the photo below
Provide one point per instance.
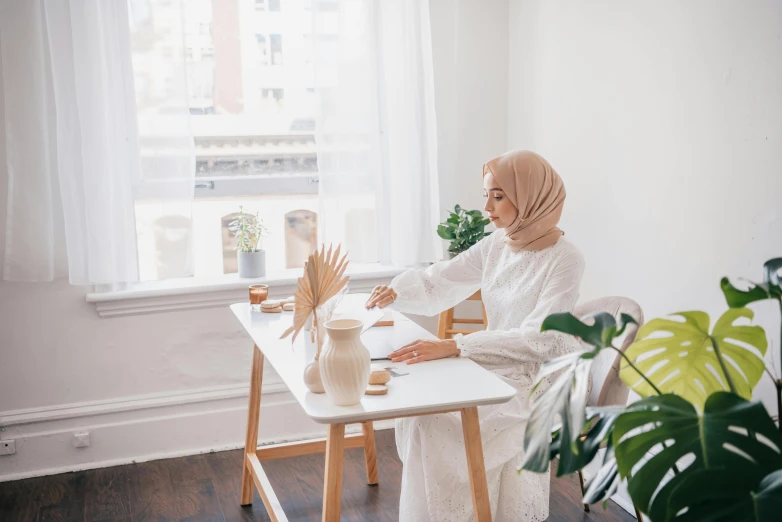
(684, 354)
(463, 229)
(770, 288)
(694, 448)
(248, 230)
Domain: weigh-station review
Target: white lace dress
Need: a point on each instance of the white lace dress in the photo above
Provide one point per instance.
(519, 290)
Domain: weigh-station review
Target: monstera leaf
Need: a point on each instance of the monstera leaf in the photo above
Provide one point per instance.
(573, 457)
(679, 356)
(597, 431)
(728, 498)
(731, 436)
(600, 329)
(606, 481)
(565, 400)
(770, 288)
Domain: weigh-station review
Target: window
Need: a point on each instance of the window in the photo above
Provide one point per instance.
(276, 48)
(263, 51)
(274, 94)
(253, 126)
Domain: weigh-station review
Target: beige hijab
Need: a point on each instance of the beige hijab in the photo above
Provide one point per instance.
(538, 193)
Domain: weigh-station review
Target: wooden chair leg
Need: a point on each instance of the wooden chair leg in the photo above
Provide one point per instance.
(251, 438)
(332, 478)
(445, 323)
(370, 452)
(475, 465)
(581, 481)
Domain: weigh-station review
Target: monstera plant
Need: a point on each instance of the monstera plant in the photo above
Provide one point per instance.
(695, 447)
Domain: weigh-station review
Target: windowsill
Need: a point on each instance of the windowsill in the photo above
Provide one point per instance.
(189, 293)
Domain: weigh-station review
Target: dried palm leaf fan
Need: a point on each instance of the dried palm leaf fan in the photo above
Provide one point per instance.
(322, 280)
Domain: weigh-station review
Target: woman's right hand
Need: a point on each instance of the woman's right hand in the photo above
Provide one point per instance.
(381, 297)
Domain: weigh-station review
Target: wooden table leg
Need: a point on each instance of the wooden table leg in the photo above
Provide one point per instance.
(251, 438)
(370, 453)
(332, 484)
(475, 466)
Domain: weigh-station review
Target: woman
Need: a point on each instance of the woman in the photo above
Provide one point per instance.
(525, 271)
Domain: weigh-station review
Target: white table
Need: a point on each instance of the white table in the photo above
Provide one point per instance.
(446, 385)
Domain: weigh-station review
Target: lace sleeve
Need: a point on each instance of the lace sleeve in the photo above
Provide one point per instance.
(527, 343)
(442, 285)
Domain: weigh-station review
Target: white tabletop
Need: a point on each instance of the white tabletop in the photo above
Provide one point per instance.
(445, 384)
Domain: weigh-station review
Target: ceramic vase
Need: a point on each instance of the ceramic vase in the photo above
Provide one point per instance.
(344, 362)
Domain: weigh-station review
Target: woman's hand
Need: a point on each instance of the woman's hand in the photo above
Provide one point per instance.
(381, 297)
(421, 351)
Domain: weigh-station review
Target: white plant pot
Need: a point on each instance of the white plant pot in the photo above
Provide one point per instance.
(252, 264)
(344, 362)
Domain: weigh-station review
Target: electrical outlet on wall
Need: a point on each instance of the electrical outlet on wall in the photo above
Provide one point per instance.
(7, 447)
(81, 439)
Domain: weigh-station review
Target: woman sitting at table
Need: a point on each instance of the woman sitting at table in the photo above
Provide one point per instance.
(525, 270)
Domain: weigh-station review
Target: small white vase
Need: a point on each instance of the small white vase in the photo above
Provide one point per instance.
(312, 379)
(251, 264)
(344, 362)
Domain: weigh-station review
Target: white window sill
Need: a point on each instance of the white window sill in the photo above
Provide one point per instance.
(189, 293)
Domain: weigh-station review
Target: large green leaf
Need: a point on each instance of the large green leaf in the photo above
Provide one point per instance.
(565, 400)
(600, 333)
(658, 433)
(606, 481)
(729, 497)
(598, 428)
(770, 288)
(678, 357)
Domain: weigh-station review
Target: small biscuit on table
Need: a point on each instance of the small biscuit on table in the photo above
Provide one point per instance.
(379, 377)
(289, 307)
(291, 299)
(276, 310)
(376, 389)
(271, 303)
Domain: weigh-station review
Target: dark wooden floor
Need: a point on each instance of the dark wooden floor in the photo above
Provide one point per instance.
(206, 488)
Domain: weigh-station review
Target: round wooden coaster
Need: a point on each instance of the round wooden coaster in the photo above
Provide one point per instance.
(376, 389)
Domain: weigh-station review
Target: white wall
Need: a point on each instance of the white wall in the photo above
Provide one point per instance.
(665, 121)
(470, 54)
(175, 383)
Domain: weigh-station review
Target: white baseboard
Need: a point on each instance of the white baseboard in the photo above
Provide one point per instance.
(149, 427)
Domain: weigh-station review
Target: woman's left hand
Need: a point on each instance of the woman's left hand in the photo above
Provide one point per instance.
(420, 351)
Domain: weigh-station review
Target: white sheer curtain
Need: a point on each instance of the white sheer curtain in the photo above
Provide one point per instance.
(376, 129)
(75, 162)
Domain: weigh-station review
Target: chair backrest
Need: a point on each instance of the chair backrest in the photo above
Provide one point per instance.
(605, 369)
(445, 329)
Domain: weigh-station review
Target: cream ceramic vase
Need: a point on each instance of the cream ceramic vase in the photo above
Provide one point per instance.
(344, 362)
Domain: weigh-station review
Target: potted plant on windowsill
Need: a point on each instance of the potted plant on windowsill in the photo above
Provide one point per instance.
(249, 231)
(463, 229)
